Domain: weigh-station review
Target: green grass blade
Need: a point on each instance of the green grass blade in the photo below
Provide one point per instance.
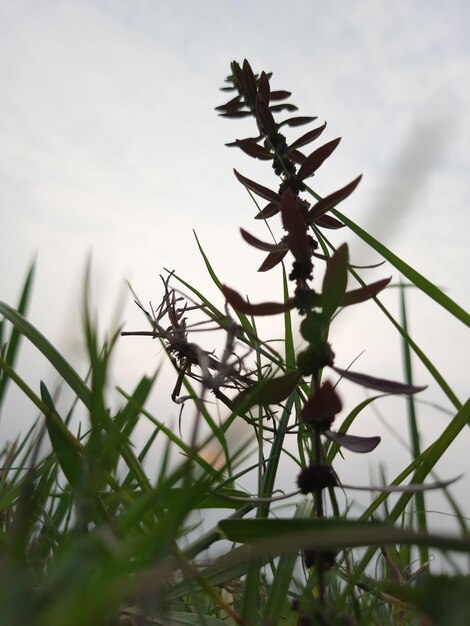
(275, 452)
(244, 321)
(127, 417)
(13, 343)
(281, 536)
(65, 445)
(420, 512)
(415, 277)
(288, 335)
(432, 369)
(64, 369)
(282, 579)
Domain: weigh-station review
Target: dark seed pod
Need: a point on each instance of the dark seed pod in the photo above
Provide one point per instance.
(316, 477)
(324, 559)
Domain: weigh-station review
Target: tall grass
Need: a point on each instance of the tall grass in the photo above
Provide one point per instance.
(90, 536)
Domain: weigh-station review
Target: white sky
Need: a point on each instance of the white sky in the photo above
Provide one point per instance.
(110, 144)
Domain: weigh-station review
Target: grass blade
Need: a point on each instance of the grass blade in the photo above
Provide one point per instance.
(13, 343)
(415, 277)
(54, 357)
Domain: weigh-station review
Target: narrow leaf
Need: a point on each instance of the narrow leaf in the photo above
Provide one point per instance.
(236, 114)
(250, 80)
(279, 94)
(265, 308)
(264, 88)
(364, 293)
(415, 277)
(237, 75)
(233, 104)
(233, 144)
(411, 488)
(353, 442)
(307, 138)
(283, 107)
(258, 189)
(313, 162)
(282, 579)
(64, 444)
(297, 121)
(329, 202)
(273, 259)
(269, 210)
(297, 156)
(335, 281)
(65, 370)
(265, 116)
(253, 149)
(278, 536)
(326, 221)
(261, 245)
(11, 348)
(379, 384)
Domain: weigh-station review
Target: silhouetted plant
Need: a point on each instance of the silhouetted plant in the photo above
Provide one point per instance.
(299, 220)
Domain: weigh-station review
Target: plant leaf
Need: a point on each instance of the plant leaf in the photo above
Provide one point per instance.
(313, 162)
(265, 116)
(66, 447)
(279, 94)
(269, 210)
(264, 88)
(236, 114)
(335, 281)
(253, 149)
(326, 221)
(297, 156)
(329, 202)
(258, 189)
(250, 80)
(364, 293)
(54, 357)
(233, 144)
(283, 107)
(261, 245)
(267, 391)
(379, 384)
(410, 488)
(293, 222)
(297, 121)
(11, 349)
(353, 442)
(280, 535)
(233, 104)
(415, 277)
(273, 259)
(264, 308)
(237, 75)
(307, 138)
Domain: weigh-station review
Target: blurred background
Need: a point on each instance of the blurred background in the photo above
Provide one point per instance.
(111, 150)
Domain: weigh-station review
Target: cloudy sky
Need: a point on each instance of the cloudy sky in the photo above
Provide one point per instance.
(110, 146)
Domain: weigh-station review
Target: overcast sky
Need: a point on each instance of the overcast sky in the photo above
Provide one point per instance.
(110, 145)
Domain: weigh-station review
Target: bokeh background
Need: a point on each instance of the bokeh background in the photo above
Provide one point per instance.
(111, 150)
